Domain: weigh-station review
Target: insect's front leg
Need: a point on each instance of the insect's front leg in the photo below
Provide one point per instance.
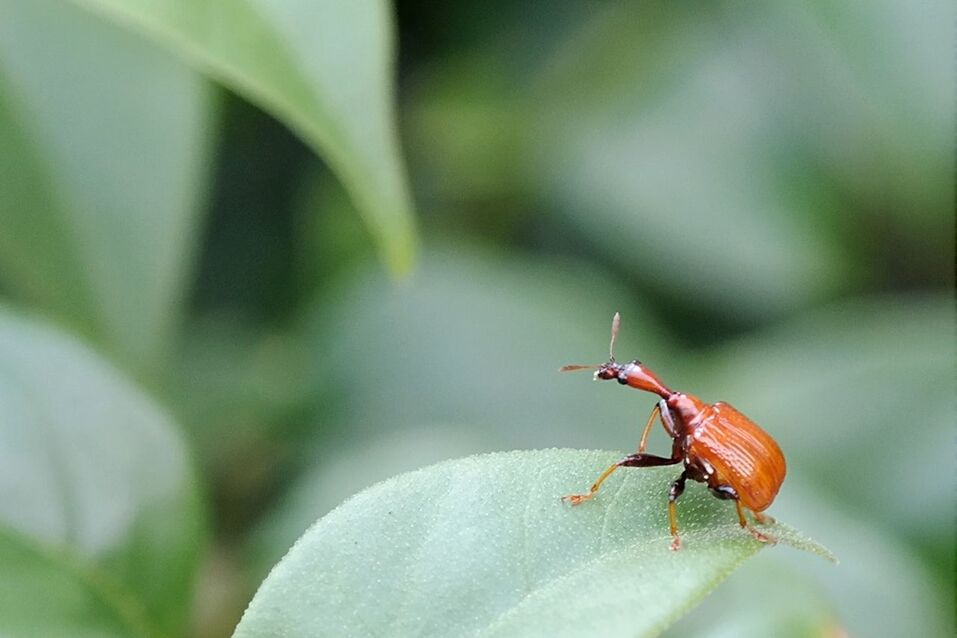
(632, 460)
(663, 412)
(676, 490)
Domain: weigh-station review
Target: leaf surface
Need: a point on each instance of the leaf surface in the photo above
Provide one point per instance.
(484, 546)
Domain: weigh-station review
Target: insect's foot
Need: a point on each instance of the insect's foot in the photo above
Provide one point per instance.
(764, 538)
(576, 499)
(675, 543)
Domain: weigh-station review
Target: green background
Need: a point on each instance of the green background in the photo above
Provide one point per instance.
(257, 256)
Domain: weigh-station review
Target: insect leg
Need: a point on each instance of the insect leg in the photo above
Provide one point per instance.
(677, 488)
(667, 418)
(651, 421)
(764, 538)
(667, 422)
(725, 493)
(632, 460)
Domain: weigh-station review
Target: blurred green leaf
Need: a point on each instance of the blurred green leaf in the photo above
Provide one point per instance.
(483, 545)
(467, 139)
(322, 67)
(880, 588)
(100, 503)
(754, 161)
(330, 240)
(241, 393)
(231, 381)
(764, 597)
(476, 338)
(662, 155)
(878, 95)
(102, 142)
(56, 597)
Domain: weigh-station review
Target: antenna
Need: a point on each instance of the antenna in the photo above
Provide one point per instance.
(615, 324)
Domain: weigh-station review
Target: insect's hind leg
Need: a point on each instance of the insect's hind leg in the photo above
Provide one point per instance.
(726, 492)
(743, 522)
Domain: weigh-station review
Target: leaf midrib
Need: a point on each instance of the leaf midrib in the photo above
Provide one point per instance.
(127, 609)
(48, 442)
(92, 314)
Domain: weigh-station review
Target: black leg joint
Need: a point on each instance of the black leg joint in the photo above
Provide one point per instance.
(725, 492)
(677, 488)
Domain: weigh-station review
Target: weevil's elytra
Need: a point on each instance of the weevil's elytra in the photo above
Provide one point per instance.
(716, 444)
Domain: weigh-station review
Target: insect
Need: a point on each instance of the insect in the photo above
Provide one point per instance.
(716, 444)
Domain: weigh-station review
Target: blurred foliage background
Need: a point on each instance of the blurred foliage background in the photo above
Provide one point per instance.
(213, 331)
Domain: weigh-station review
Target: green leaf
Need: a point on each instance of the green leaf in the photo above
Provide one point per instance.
(102, 155)
(332, 478)
(322, 67)
(484, 546)
(100, 504)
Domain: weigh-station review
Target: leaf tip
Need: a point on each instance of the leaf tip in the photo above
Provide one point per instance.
(400, 248)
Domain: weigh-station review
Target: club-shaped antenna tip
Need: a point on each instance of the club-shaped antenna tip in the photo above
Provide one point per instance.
(615, 324)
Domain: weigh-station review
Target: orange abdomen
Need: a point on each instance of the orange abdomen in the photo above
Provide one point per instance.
(742, 454)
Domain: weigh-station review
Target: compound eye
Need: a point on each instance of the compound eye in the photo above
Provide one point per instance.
(605, 373)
